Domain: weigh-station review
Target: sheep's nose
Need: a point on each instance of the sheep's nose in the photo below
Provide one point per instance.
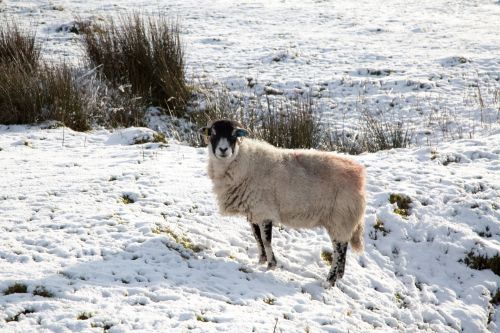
(223, 150)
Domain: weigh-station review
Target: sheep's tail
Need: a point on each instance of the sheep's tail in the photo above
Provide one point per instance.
(357, 239)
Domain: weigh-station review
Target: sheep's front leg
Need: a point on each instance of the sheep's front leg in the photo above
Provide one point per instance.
(266, 232)
(338, 262)
(260, 244)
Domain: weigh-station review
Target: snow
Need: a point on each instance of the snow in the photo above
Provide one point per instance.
(126, 231)
(131, 136)
(423, 63)
(66, 226)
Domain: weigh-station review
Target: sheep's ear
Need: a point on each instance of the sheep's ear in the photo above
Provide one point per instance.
(239, 132)
(205, 131)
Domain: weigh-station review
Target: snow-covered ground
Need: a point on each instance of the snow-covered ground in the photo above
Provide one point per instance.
(127, 237)
(420, 62)
(130, 234)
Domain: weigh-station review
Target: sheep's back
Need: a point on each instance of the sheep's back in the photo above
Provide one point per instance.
(316, 188)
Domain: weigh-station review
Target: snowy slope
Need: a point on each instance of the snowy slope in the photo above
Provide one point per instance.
(109, 229)
(129, 235)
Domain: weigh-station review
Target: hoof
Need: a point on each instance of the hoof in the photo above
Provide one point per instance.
(332, 279)
(272, 265)
(328, 284)
(331, 283)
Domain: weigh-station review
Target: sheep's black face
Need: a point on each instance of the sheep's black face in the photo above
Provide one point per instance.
(223, 136)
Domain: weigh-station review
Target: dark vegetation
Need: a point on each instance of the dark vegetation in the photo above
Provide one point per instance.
(84, 316)
(17, 46)
(482, 261)
(403, 203)
(16, 288)
(33, 91)
(42, 292)
(495, 299)
(17, 316)
(144, 55)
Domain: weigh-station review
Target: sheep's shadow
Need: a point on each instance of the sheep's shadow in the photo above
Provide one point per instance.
(158, 267)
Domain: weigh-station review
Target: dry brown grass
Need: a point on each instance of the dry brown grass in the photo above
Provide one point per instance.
(284, 122)
(18, 46)
(145, 54)
(46, 93)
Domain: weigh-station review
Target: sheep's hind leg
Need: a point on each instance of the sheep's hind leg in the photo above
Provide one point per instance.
(338, 262)
(266, 232)
(260, 244)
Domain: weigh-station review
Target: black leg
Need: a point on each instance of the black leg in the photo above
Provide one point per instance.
(260, 244)
(338, 262)
(342, 251)
(266, 232)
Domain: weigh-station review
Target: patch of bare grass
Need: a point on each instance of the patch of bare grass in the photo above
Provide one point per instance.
(16, 288)
(42, 292)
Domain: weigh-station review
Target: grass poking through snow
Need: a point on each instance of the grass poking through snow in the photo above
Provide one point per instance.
(327, 257)
(480, 262)
(19, 315)
(42, 292)
(403, 203)
(85, 315)
(16, 288)
(179, 239)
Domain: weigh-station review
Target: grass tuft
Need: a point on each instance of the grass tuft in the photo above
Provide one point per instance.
(400, 300)
(145, 54)
(18, 47)
(287, 122)
(290, 124)
(85, 315)
(32, 91)
(42, 291)
(480, 262)
(157, 138)
(46, 93)
(201, 318)
(327, 257)
(16, 288)
(127, 199)
(270, 300)
(105, 326)
(17, 316)
(381, 135)
(403, 203)
(179, 239)
(379, 226)
(245, 270)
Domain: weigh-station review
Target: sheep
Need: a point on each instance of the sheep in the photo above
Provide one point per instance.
(297, 188)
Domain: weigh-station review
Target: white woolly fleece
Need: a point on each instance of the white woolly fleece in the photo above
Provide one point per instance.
(298, 188)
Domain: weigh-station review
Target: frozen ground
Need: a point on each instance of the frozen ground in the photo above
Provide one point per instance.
(420, 62)
(130, 235)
